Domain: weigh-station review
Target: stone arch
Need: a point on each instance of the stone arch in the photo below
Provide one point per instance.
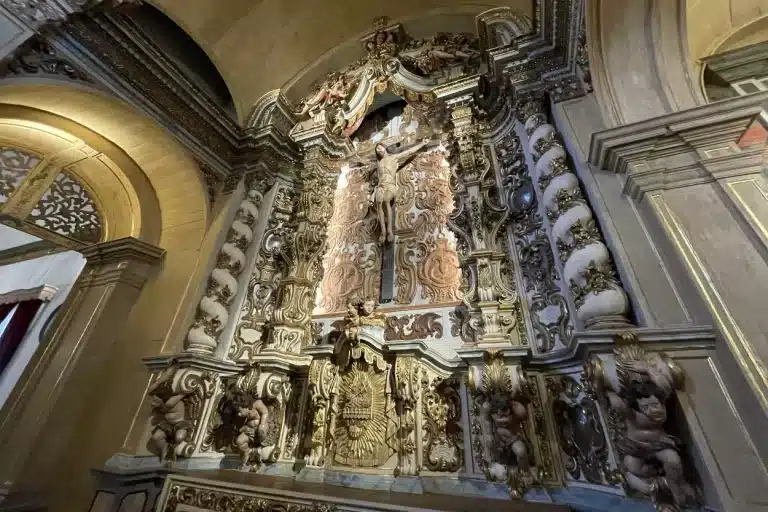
(168, 188)
(170, 220)
(639, 59)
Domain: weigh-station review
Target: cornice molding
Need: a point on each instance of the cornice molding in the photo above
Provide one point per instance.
(44, 293)
(717, 123)
(122, 249)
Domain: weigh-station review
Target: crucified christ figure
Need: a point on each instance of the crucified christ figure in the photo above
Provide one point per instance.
(387, 165)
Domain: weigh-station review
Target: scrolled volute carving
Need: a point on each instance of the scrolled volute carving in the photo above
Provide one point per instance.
(636, 399)
(178, 396)
(443, 436)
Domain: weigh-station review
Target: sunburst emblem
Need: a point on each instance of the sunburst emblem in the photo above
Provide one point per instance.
(361, 432)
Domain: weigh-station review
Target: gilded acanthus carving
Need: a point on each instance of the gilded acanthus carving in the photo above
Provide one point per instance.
(407, 391)
(414, 327)
(178, 396)
(636, 401)
(291, 319)
(442, 433)
(499, 416)
(323, 384)
(581, 435)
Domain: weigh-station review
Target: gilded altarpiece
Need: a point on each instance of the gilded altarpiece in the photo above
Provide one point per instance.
(426, 263)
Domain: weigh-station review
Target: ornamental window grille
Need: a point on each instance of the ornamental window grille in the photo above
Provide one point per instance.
(15, 164)
(68, 209)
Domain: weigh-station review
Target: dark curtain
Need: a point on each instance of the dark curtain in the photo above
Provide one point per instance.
(14, 332)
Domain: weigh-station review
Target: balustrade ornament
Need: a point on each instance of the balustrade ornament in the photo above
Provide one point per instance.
(213, 310)
(600, 300)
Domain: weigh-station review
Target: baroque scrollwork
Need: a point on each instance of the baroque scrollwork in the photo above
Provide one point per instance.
(636, 399)
(580, 431)
(443, 437)
(414, 327)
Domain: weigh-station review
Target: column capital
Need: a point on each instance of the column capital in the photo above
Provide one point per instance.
(127, 248)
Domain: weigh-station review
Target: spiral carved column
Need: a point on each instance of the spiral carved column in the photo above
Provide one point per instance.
(588, 268)
(213, 310)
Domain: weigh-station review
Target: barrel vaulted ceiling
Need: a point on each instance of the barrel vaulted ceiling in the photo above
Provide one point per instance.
(261, 45)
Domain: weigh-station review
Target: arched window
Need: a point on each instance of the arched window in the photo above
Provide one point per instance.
(65, 207)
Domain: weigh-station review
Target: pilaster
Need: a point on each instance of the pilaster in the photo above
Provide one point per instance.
(50, 397)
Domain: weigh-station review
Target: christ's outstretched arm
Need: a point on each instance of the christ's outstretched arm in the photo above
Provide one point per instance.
(411, 151)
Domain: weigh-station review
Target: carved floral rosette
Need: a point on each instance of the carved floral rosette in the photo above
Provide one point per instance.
(588, 267)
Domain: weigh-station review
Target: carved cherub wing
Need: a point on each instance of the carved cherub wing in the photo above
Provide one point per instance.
(193, 403)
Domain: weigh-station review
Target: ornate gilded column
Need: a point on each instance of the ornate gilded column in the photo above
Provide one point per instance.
(588, 268)
(291, 320)
(215, 307)
(479, 221)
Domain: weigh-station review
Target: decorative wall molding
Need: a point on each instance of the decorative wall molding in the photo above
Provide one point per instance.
(43, 292)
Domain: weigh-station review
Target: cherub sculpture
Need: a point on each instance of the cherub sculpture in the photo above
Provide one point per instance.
(360, 313)
(254, 430)
(649, 457)
(387, 164)
(501, 408)
(331, 93)
(171, 425)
